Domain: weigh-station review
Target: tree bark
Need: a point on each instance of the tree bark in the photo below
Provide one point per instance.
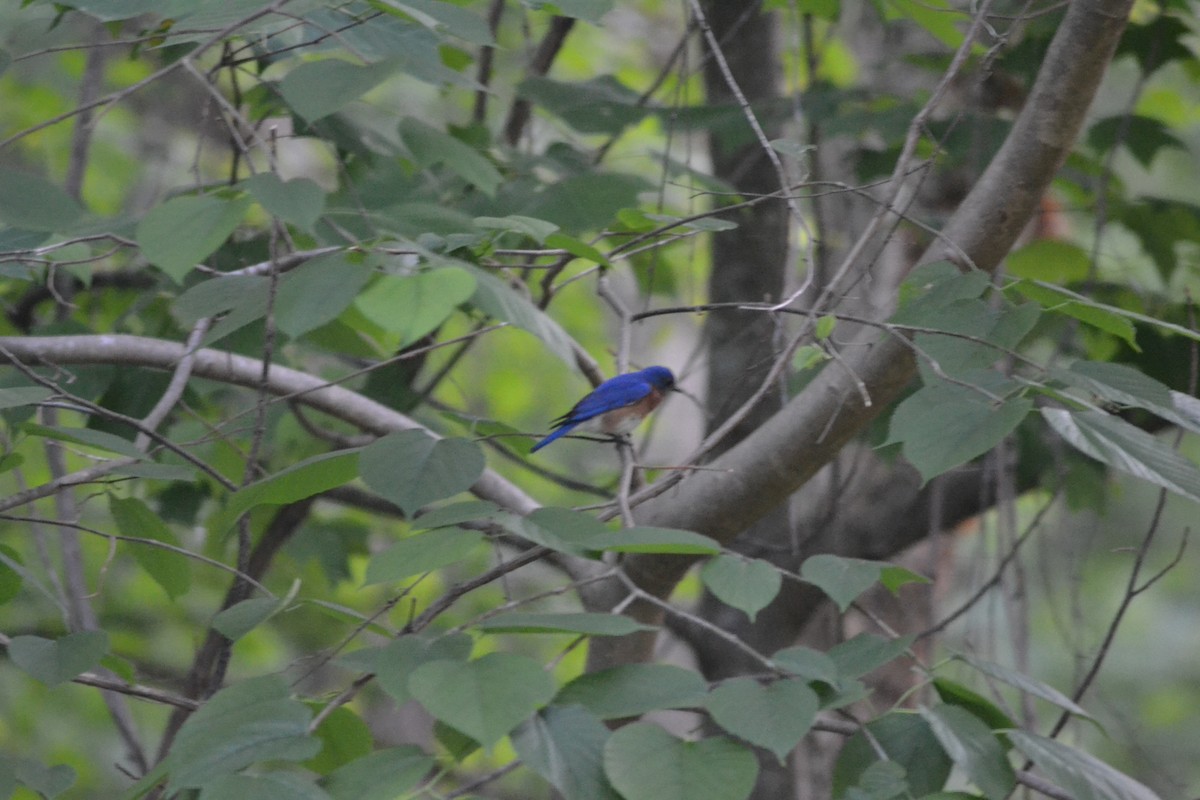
(757, 474)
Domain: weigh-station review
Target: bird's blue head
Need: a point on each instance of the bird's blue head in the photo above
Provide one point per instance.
(660, 378)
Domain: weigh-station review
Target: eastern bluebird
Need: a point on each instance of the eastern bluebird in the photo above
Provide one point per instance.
(616, 406)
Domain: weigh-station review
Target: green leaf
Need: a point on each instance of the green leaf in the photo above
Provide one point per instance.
(1161, 225)
(395, 661)
(1049, 260)
(747, 584)
(599, 105)
(1027, 684)
(559, 529)
(946, 425)
(299, 201)
(535, 229)
(34, 204)
(1081, 775)
(634, 689)
(956, 694)
(499, 301)
(588, 624)
(589, 10)
(774, 715)
(892, 577)
(825, 326)
(303, 479)
(908, 742)
(842, 579)
(456, 514)
(318, 291)
(430, 146)
(243, 296)
(1125, 386)
(1123, 447)
(316, 89)
(182, 232)
(87, 437)
(11, 575)
(974, 748)
(239, 619)
(250, 721)
(169, 570)
(414, 305)
(16, 396)
(586, 202)
(1143, 136)
(55, 661)
(382, 775)
(422, 553)
(345, 738)
(486, 698)
(644, 762)
(866, 652)
(265, 786)
(445, 18)
(577, 248)
(808, 663)
(932, 287)
(412, 469)
(566, 747)
(655, 540)
(1101, 317)
(49, 782)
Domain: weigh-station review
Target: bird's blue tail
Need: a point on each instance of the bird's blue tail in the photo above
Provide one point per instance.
(563, 431)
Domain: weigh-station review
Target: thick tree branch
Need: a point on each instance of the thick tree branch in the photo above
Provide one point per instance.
(338, 402)
(772, 462)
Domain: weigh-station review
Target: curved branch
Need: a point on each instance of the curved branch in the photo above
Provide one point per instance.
(756, 475)
(336, 401)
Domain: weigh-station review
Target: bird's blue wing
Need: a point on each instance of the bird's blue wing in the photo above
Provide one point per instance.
(618, 392)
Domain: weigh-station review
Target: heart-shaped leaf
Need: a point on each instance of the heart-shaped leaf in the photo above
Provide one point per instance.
(644, 762)
(411, 468)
